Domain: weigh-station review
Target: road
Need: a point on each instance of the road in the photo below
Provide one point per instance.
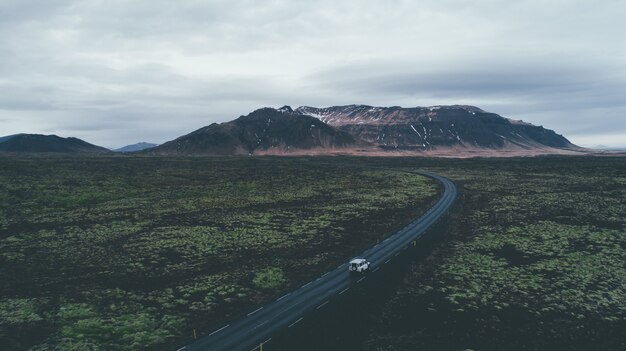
(257, 328)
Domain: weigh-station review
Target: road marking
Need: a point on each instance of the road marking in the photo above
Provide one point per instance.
(255, 311)
(305, 285)
(266, 341)
(322, 305)
(219, 330)
(294, 323)
(258, 325)
(425, 221)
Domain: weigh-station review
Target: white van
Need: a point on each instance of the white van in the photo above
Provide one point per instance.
(359, 265)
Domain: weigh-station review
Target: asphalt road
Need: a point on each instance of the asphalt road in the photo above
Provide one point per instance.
(257, 328)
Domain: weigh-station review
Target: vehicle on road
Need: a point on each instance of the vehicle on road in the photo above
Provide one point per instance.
(359, 265)
(245, 333)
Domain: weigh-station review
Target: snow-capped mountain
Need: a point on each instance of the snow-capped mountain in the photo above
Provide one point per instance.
(367, 130)
(430, 128)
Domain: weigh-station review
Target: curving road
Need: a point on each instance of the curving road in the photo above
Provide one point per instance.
(257, 328)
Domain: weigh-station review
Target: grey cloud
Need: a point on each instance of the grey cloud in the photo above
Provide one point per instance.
(30, 10)
(116, 72)
(570, 98)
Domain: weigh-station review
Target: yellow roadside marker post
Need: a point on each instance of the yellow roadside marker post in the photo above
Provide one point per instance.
(194, 334)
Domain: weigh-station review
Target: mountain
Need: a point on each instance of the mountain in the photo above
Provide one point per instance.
(456, 127)
(264, 131)
(456, 130)
(48, 143)
(8, 137)
(136, 147)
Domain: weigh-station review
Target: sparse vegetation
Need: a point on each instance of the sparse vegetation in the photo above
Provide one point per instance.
(127, 253)
(269, 278)
(533, 260)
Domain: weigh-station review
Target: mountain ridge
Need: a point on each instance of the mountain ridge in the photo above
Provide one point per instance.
(9, 137)
(263, 131)
(430, 128)
(453, 131)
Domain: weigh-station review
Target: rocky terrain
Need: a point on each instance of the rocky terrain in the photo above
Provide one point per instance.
(455, 127)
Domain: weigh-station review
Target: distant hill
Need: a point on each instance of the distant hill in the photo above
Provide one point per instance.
(37, 143)
(136, 147)
(456, 127)
(8, 137)
(264, 131)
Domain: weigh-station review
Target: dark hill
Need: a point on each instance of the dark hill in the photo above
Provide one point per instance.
(267, 130)
(37, 143)
(8, 137)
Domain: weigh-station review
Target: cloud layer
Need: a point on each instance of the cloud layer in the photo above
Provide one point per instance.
(117, 72)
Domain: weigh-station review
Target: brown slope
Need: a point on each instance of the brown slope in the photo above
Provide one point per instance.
(456, 127)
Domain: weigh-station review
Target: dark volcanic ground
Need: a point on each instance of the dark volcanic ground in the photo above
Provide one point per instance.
(531, 258)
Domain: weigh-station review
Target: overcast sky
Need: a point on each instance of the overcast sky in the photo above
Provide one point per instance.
(117, 72)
